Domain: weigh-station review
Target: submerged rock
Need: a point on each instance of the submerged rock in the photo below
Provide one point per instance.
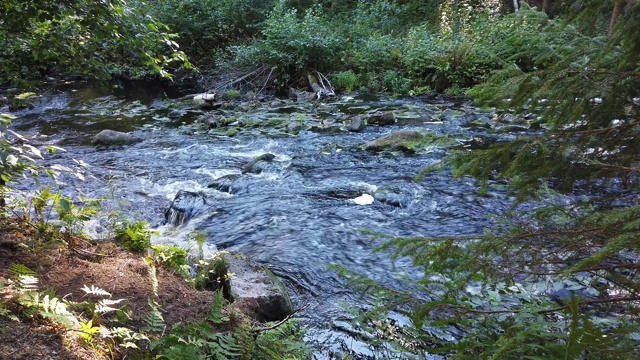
(185, 205)
(259, 164)
(256, 290)
(226, 183)
(112, 137)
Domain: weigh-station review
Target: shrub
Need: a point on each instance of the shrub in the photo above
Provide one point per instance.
(374, 52)
(445, 59)
(346, 80)
(135, 236)
(213, 274)
(292, 44)
(208, 25)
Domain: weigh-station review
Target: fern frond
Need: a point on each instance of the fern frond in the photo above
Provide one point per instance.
(54, 309)
(154, 320)
(94, 290)
(20, 269)
(105, 305)
(25, 278)
(215, 315)
(153, 278)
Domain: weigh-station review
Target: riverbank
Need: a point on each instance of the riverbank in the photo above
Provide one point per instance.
(111, 303)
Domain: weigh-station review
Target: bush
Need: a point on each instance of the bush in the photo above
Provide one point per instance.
(375, 52)
(444, 60)
(206, 26)
(346, 80)
(134, 236)
(292, 44)
(81, 38)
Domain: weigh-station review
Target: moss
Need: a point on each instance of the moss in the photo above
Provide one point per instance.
(410, 142)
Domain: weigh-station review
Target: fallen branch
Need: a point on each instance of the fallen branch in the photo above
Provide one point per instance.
(279, 323)
(559, 308)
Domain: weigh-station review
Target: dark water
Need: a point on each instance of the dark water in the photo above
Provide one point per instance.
(297, 216)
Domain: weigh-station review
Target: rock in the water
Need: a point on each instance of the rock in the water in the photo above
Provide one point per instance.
(513, 128)
(391, 196)
(256, 290)
(364, 199)
(111, 137)
(381, 118)
(185, 205)
(399, 140)
(358, 123)
(215, 120)
(226, 183)
(294, 127)
(259, 164)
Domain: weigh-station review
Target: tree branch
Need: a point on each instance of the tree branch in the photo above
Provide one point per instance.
(559, 308)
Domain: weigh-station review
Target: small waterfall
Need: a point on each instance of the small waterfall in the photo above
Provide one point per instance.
(185, 206)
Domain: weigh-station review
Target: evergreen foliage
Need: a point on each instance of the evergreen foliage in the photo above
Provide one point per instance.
(556, 276)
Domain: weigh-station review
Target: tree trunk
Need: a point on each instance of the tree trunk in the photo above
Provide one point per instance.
(516, 5)
(545, 6)
(614, 17)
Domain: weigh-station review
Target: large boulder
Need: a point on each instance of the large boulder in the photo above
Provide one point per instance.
(185, 205)
(112, 137)
(256, 290)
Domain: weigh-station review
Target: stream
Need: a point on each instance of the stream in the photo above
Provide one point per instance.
(298, 215)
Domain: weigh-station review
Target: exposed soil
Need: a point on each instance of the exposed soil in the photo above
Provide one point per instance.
(66, 268)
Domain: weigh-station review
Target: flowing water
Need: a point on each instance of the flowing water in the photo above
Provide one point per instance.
(298, 215)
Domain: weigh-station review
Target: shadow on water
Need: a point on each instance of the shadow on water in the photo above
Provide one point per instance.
(298, 215)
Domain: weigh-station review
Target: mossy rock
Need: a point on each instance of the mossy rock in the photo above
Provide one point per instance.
(258, 164)
(409, 141)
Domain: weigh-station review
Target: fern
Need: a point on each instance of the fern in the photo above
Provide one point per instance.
(104, 306)
(215, 314)
(154, 320)
(25, 278)
(54, 309)
(94, 290)
(153, 277)
(127, 337)
(199, 340)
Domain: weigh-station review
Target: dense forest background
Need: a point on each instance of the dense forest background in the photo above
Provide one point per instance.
(557, 278)
(404, 47)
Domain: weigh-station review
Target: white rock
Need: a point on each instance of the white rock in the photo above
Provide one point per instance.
(364, 199)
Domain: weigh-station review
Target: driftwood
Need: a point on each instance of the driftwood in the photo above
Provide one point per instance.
(320, 84)
(255, 80)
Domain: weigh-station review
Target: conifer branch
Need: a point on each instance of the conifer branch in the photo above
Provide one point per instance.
(558, 308)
